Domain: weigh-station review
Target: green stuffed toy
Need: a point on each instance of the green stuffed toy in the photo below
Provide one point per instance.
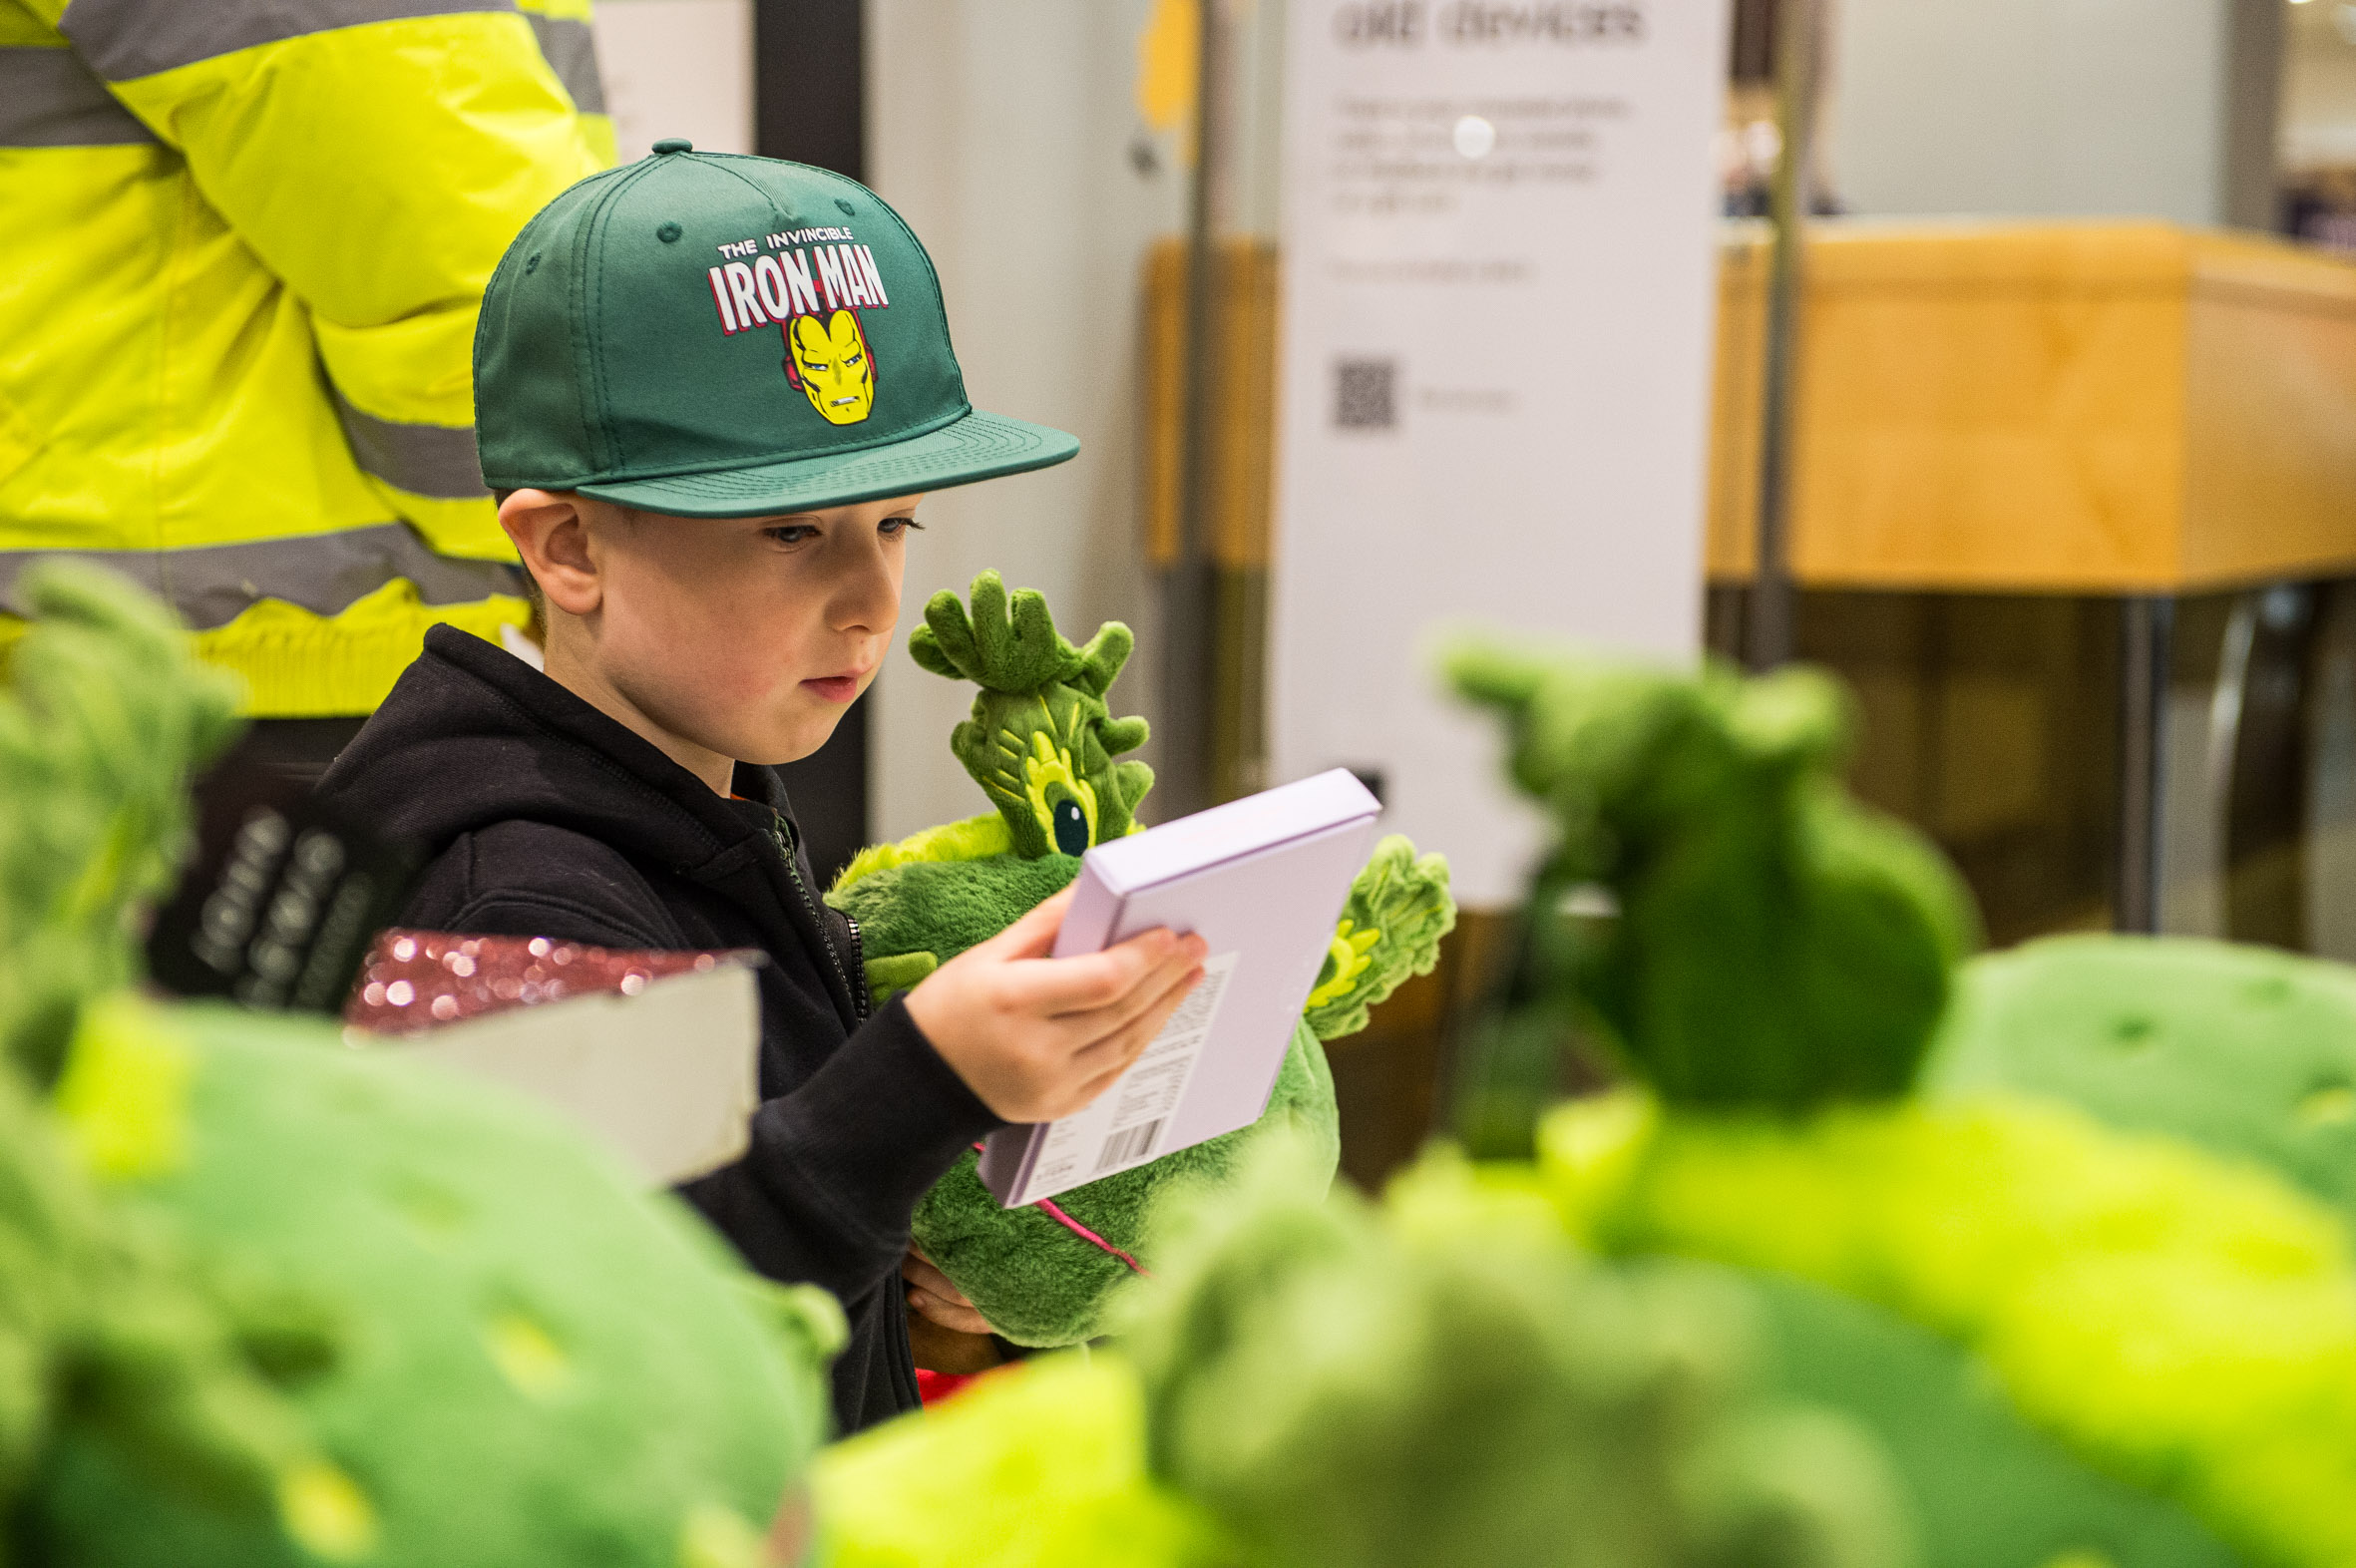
(1327, 1384)
(1776, 943)
(109, 1334)
(110, 1339)
(538, 1362)
(2249, 1052)
(264, 1300)
(1044, 748)
(2132, 1344)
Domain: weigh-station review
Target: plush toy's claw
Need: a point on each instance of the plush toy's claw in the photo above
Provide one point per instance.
(1008, 648)
(1100, 665)
(1390, 928)
(1130, 780)
(1495, 676)
(896, 973)
(1123, 735)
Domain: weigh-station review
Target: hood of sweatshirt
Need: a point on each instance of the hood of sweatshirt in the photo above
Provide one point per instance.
(472, 736)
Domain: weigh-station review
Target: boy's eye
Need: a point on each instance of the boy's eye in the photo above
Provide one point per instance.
(791, 532)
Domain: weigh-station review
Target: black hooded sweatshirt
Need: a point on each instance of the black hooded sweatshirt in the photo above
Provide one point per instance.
(545, 818)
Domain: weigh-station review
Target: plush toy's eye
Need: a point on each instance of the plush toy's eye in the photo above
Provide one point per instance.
(1072, 827)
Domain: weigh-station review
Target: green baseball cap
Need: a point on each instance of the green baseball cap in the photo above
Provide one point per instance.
(720, 336)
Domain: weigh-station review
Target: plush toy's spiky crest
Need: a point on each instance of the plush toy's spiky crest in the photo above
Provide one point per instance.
(1042, 741)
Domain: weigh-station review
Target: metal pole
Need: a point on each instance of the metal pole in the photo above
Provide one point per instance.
(1767, 631)
(2146, 629)
(1189, 590)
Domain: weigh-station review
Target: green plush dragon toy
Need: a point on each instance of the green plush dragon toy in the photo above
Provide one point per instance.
(1774, 942)
(2067, 1228)
(268, 1301)
(1045, 749)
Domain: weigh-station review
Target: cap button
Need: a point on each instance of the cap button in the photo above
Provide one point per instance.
(675, 143)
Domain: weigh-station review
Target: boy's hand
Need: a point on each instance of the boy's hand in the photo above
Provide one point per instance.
(1036, 1038)
(936, 1297)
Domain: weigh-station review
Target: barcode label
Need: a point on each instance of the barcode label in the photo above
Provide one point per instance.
(1133, 1143)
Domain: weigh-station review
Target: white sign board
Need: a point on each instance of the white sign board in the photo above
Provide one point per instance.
(1499, 278)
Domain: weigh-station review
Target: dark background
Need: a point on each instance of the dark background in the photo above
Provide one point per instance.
(810, 105)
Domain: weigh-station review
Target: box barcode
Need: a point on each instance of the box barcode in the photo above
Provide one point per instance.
(1130, 1144)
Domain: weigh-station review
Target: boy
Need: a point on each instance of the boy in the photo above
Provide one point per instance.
(709, 390)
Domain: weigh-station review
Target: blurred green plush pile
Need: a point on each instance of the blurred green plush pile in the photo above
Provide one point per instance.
(1043, 746)
(1880, 1258)
(1879, 1255)
(1441, 1381)
(2066, 1227)
(266, 1300)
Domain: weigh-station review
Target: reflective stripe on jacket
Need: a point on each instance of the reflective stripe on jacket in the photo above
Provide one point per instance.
(247, 243)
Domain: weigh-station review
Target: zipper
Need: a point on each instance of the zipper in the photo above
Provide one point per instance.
(793, 869)
(860, 1003)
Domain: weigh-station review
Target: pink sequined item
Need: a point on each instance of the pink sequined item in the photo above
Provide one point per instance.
(416, 979)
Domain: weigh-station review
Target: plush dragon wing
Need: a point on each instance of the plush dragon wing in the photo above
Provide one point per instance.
(1397, 910)
(1041, 742)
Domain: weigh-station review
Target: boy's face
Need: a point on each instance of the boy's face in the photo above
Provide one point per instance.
(744, 637)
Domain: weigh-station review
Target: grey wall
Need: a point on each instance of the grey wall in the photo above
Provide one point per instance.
(2155, 108)
(1002, 130)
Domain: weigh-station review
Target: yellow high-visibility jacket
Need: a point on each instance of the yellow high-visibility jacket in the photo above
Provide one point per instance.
(241, 247)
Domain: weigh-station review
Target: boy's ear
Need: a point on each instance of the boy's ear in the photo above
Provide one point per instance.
(552, 533)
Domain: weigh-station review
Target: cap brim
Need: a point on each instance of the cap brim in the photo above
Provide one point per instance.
(977, 447)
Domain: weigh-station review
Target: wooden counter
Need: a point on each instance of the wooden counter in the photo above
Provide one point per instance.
(2062, 407)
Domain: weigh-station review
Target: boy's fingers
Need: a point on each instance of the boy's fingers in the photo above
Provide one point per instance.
(1150, 993)
(964, 1319)
(921, 1273)
(1087, 1094)
(1089, 982)
(1112, 1054)
(1117, 1053)
(1115, 1048)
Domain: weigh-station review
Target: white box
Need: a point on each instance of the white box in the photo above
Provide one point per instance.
(1261, 879)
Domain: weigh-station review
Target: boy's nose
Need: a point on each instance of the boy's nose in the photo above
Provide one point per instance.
(866, 599)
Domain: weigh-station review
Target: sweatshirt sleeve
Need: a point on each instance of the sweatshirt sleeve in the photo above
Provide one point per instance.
(837, 1166)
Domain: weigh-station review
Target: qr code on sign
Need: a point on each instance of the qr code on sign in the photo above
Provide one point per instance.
(1365, 394)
